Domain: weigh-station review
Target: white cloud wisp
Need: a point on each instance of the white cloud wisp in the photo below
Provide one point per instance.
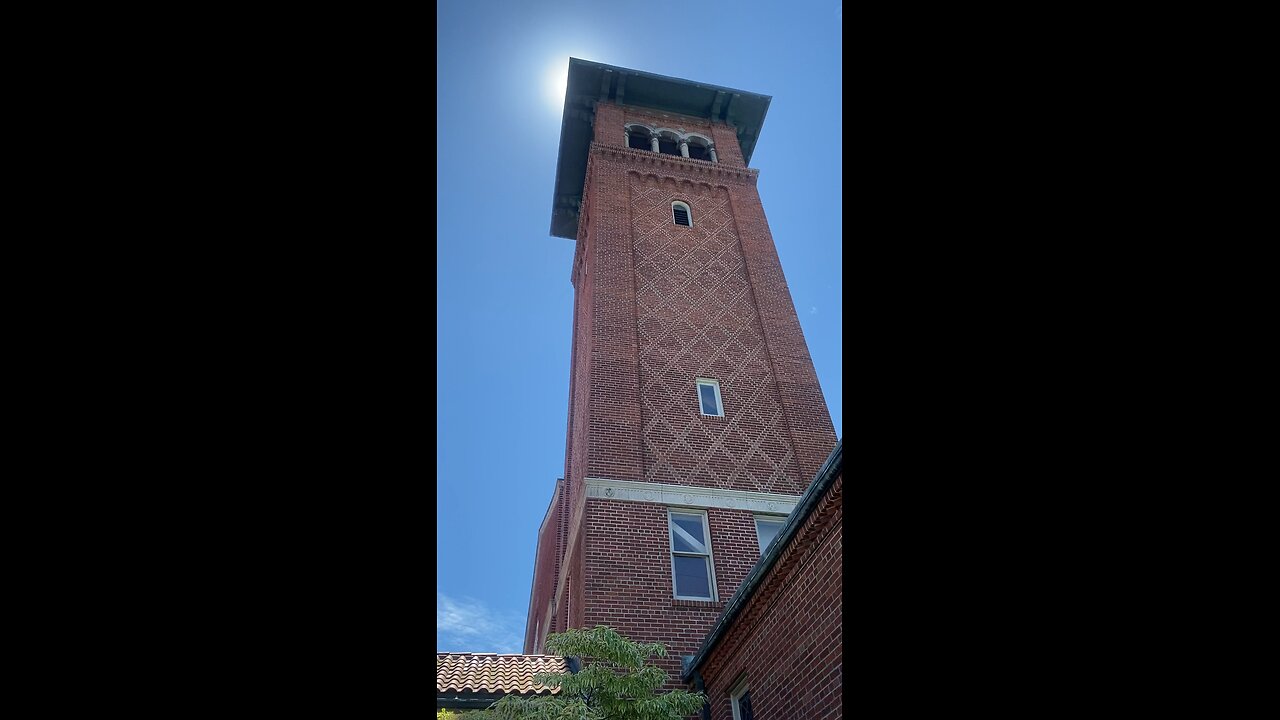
(468, 625)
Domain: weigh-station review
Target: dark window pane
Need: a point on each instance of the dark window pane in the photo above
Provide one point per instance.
(639, 142)
(667, 147)
(708, 394)
(681, 215)
(697, 152)
(744, 707)
(691, 577)
(691, 524)
(767, 531)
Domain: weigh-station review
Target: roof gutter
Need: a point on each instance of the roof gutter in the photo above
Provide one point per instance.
(817, 489)
(478, 701)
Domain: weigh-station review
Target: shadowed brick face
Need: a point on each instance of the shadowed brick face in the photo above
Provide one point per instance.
(786, 639)
(656, 307)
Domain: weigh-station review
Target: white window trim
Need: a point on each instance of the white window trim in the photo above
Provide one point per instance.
(711, 563)
(719, 402)
(687, 211)
(739, 690)
(780, 519)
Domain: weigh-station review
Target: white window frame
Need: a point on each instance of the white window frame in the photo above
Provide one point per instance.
(780, 519)
(687, 210)
(738, 691)
(719, 401)
(711, 563)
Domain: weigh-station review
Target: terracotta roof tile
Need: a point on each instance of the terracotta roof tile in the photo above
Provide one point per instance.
(491, 673)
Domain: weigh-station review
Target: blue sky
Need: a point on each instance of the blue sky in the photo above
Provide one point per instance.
(504, 301)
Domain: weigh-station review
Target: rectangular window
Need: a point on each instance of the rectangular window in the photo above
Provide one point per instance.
(742, 702)
(767, 529)
(709, 397)
(691, 571)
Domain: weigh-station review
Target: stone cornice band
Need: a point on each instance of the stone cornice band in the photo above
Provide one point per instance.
(690, 496)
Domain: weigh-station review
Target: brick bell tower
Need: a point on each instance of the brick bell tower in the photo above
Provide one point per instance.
(695, 416)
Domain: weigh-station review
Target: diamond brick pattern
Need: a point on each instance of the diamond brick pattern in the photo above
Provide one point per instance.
(490, 673)
(696, 317)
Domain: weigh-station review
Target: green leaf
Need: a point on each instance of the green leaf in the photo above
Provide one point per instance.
(615, 683)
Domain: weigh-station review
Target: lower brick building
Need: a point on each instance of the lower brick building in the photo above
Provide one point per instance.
(775, 652)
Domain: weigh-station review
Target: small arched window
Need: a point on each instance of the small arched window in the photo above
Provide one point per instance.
(638, 138)
(680, 213)
(698, 151)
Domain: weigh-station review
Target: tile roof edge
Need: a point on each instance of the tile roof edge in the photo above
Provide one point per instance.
(480, 654)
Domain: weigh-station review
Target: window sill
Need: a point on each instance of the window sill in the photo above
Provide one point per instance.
(707, 604)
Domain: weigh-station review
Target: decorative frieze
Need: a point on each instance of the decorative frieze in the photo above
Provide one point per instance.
(690, 496)
(688, 164)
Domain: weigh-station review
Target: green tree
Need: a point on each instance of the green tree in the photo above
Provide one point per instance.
(615, 683)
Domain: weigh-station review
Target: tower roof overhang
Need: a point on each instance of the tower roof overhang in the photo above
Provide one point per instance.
(591, 82)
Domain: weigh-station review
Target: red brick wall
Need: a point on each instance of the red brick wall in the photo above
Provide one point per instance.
(628, 580)
(608, 127)
(665, 304)
(613, 412)
(697, 318)
(786, 641)
(728, 150)
(807, 417)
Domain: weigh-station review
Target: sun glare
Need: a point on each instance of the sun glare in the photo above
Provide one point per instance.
(557, 80)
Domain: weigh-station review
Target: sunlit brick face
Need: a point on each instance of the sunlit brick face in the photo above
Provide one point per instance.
(696, 317)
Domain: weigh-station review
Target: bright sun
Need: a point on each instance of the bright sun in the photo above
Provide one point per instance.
(557, 79)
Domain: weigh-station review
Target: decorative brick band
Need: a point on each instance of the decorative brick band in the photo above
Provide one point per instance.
(746, 175)
(690, 496)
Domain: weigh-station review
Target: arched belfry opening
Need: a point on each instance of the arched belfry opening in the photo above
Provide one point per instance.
(639, 137)
(699, 148)
(668, 143)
